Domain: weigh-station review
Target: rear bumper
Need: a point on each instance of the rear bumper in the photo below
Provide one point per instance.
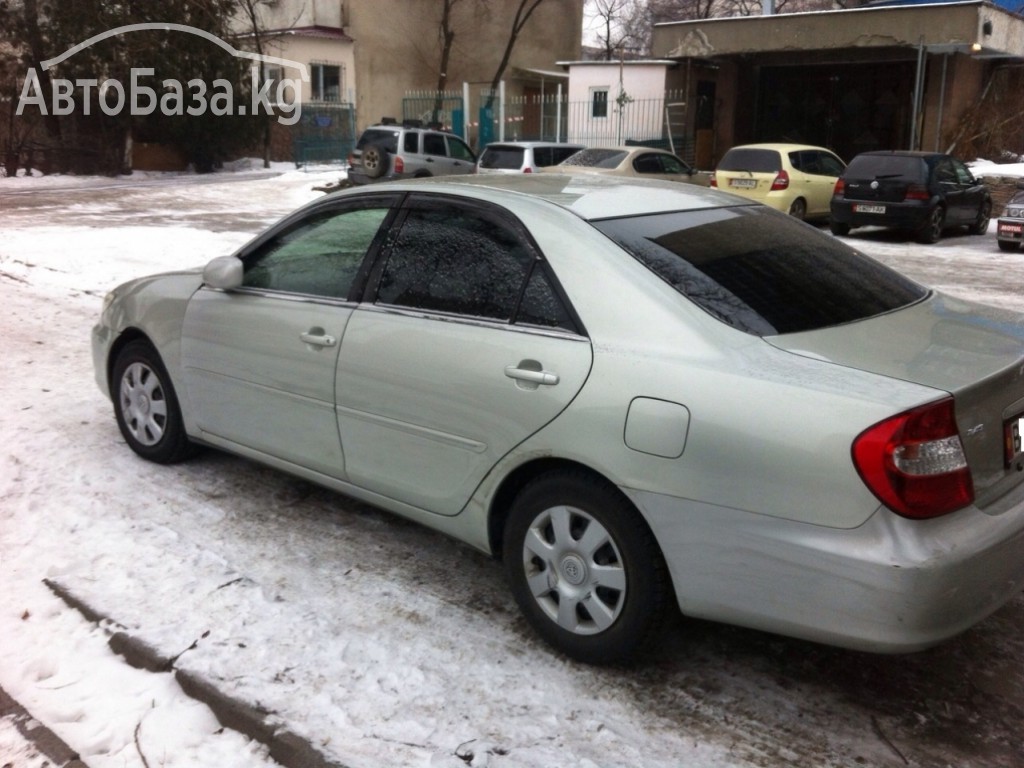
(890, 586)
(897, 215)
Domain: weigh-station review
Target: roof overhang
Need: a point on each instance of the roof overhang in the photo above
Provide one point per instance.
(975, 28)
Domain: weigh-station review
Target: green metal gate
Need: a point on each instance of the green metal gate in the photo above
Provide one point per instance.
(325, 134)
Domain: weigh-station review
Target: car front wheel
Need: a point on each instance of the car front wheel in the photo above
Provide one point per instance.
(146, 407)
(1007, 245)
(584, 568)
(980, 225)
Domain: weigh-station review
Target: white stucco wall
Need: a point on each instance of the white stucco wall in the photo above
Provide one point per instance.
(639, 115)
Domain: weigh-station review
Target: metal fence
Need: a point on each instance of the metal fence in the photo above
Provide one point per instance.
(326, 133)
(441, 109)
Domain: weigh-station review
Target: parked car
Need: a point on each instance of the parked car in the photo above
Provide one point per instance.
(1010, 227)
(921, 192)
(793, 178)
(523, 156)
(408, 151)
(639, 162)
(636, 394)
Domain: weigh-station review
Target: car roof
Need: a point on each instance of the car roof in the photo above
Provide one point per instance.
(589, 196)
(780, 147)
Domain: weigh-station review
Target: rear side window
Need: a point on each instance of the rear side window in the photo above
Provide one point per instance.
(752, 160)
(503, 158)
(887, 167)
(558, 154)
(761, 272)
(597, 158)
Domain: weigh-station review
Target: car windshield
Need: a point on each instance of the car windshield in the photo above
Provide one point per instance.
(752, 160)
(597, 158)
(504, 158)
(760, 271)
(381, 137)
(902, 167)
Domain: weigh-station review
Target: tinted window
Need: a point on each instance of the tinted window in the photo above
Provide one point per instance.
(647, 164)
(672, 164)
(887, 167)
(507, 158)
(759, 271)
(448, 259)
(558, 154)
(541, 305)
(411, 143)
(319, 257)
(963, 173)
(380, 137)
(459, 150)
(753, 160)
(433, 144)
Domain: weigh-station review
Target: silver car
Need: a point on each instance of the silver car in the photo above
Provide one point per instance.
(638, 395)
(408, 151)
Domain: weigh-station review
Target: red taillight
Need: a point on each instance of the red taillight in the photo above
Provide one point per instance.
(840, 187)
(781, 181)
(917, 192)
(713, 181)
(399, 164)
(351, 159)
(915, 463)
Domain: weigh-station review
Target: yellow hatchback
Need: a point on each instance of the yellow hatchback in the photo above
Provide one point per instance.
(793, 178)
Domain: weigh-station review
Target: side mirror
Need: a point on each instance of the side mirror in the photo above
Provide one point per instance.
(223, 273)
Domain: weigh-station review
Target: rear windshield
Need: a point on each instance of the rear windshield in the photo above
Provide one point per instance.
(505, 158)
(381, 137)
(887, 167)
(753, 160)
(760, 271)
(597, 158)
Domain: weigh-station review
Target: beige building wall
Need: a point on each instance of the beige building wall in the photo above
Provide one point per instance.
(398, 47)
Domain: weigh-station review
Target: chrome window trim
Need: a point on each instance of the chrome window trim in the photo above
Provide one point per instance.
(304, 298)
(480, 322)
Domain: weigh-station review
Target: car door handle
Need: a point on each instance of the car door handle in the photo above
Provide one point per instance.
(531, 376)
(318, 338)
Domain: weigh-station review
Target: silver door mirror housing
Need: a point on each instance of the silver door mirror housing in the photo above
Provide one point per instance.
(223, 273)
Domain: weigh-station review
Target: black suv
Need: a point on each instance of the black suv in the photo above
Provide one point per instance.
(922, 192)
(391, 151)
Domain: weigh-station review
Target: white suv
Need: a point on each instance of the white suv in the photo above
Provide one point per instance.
(408, 151)
(523, 156)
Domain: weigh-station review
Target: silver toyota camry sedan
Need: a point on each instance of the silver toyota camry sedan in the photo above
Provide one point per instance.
(638, 395)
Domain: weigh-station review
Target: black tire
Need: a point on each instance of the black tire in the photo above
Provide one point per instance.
(584, 568)
(798, 210)
(1006, 245)
(839, 228)
(146, 406)
(980, 225)
(375, 161)
(931, 230)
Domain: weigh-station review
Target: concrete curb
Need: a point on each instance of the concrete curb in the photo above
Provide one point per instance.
(286, 747)
(45, 740)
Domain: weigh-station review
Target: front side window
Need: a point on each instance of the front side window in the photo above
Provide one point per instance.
(466, 262)
(319, 257)
(458, 150)
(433, 144)
(757, 270)
(325, 82)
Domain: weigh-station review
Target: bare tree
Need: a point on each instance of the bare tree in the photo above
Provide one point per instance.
(622, 26)
(522, 16)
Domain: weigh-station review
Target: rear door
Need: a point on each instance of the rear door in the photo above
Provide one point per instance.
(463, 349)
(818, 173)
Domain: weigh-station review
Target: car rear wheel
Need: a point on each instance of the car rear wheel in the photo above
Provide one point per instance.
(980, 225)
(375, 161)
(839, 228)
(798, 210)
(584, 568)
(931, 230)
(1006, 245)
(146, 407)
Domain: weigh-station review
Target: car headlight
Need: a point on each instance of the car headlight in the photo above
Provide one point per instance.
(1014, 213)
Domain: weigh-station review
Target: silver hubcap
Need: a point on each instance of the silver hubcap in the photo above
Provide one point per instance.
(143, 404)
(574, 570)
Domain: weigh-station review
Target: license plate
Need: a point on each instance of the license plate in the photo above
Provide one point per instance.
(1012, 431)
(869, 208)
(1014, 228)
(743, 183)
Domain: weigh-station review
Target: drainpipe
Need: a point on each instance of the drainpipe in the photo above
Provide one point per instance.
(942, 102)
(918, 88)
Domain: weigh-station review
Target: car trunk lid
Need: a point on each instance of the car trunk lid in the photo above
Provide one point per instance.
(971, 351)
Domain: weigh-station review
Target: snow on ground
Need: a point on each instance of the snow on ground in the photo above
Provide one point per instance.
(381, 643)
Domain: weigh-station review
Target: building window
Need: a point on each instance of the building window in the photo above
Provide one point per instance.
(326, 82)
(599, 102)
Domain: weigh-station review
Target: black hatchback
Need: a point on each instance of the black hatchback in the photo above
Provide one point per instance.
(921, 192)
